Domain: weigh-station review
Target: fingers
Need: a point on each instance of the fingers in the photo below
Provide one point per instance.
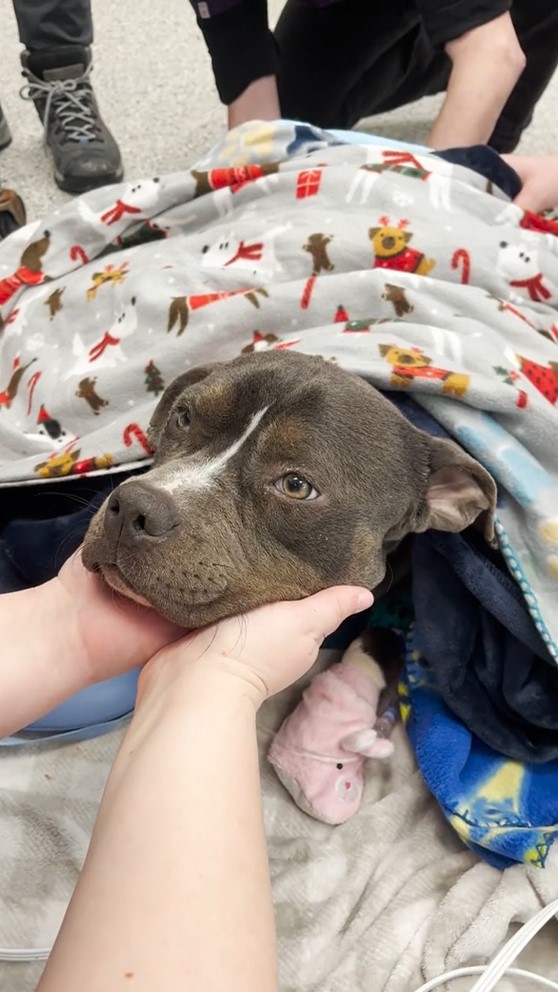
(325, 611)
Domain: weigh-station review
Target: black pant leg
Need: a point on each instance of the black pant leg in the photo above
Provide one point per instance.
(48, 24)
(536, 24)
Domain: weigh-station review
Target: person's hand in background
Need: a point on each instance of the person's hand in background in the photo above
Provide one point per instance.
(539, 178)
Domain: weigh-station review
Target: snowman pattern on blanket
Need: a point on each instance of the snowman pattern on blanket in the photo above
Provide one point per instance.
(519, 265)
(254, 255)
(136, 200)
(107, 351)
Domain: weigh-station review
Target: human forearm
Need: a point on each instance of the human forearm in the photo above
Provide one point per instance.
(181, 822)
(486, 64)
(39, 667)
(65, 635)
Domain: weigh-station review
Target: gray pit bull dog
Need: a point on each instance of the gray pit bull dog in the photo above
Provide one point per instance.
(276, 475)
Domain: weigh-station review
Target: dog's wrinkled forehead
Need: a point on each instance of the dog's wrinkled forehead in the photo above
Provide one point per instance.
(297, 407)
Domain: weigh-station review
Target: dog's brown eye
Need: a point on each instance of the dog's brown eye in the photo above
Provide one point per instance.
(183, 419)
(295, 486)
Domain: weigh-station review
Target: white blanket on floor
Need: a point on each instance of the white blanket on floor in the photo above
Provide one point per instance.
(377, 905)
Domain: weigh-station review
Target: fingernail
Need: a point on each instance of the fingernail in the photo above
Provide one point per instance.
(364, 599)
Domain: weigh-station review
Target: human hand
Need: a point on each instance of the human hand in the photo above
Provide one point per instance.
(539, 179)
(259, 653)
(110, 635)
(258, 102)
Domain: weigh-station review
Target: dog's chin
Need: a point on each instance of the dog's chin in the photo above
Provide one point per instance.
(114, 578)
(189, 616)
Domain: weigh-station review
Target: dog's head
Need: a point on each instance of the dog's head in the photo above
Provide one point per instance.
(388, 241)
(275, 475)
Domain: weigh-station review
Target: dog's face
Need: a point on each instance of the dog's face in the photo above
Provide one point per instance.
(275, 475)
(388, 241)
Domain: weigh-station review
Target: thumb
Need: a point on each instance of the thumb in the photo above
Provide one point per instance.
(325, 611)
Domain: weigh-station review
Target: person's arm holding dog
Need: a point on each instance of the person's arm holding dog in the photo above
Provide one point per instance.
(175, 891)
(63, 636)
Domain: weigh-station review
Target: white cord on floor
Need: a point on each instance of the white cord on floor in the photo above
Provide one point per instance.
(24, 953)
(491, 974)
(479, 969)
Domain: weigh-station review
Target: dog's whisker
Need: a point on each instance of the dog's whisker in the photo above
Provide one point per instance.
(391, 575)
(60, 557)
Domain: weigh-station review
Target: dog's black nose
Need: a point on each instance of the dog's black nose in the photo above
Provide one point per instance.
(137, 511)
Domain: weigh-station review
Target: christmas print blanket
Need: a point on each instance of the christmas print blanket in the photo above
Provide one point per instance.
(414, 272)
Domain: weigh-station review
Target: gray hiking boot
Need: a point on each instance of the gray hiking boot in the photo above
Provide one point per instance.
(5, 135)
(85, 154)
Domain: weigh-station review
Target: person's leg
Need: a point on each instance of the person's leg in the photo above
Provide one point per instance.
(536, 24)
(350, 59)
(57, 35)
(48, 24)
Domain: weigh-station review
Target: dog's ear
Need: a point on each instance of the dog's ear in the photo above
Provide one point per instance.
(385, 349)
(459, 492)
(372, 232)
(171, 394)
(407, 236)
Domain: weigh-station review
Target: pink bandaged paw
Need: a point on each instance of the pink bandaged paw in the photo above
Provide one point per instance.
(320, 750)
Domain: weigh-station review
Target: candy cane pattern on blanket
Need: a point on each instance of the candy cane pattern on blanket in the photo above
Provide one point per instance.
(307, 294)
(461, 258)
(133, 433)
(78, 253)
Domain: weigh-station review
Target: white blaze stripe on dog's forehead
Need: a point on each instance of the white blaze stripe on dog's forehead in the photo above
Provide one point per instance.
(201, 474)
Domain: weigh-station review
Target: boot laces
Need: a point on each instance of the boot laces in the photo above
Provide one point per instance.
(69, 102)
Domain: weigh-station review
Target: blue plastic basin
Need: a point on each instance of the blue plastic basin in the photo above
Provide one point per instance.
(97, 704)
